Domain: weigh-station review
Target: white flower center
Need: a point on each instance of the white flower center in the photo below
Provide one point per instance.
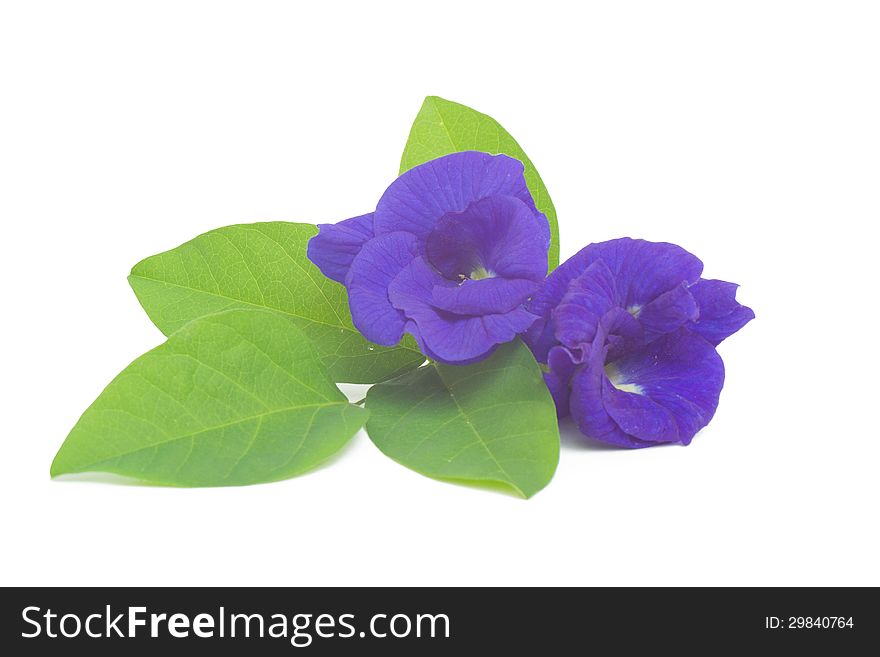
(617, 380)
(480, 273)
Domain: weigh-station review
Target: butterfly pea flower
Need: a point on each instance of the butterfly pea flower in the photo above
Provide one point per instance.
(627, 332)
(451, 255)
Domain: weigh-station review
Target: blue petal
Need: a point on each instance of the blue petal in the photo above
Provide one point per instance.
(569, 304)
(586, 403)
(595, 289)
(378, 263)
(461, 340)
(663, 393)
(644, 270)
(561, 366)
(720, 314)
(413, 330)
(587, 299)
(641, 270)
(576, 327)
(495, 236)
(486, 296)
(419, 197)
(667, 391)
(541, 336)
(573, 326)
(633, 274)
(445, 336)
(335, 246)
(623, 333)
(668, 312)
(638, 416)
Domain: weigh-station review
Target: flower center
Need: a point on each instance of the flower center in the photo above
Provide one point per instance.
(618, 380)
(459, 255)
(479, 273)
(466, 245)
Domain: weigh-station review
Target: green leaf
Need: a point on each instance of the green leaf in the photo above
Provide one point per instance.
(264, 265)
(235, 398)
(493, 421)
(442, 127)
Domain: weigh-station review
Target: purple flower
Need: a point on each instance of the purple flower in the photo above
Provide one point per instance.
(452, 253)
(628, 331)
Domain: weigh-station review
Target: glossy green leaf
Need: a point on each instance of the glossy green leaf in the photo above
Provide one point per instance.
(442, 127)
(264, 265)
(493, 421)
(239, 397)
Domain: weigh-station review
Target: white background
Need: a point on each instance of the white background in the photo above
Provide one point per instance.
(747, 132)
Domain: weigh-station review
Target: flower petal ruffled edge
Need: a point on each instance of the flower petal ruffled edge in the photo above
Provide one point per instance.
(641, 272)
(720, 314)
(419, 197)
(443, 335)
(378, 263)
(665, 392)
(335, 246)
